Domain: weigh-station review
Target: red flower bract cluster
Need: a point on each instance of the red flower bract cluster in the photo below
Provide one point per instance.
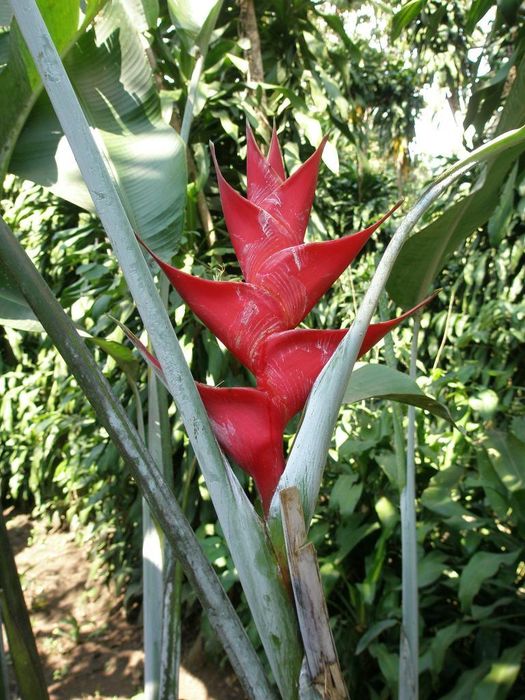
(256, 319)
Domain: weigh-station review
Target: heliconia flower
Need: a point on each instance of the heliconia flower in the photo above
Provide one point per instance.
(256, 319)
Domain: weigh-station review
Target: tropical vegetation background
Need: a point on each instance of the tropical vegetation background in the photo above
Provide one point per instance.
(362, 72)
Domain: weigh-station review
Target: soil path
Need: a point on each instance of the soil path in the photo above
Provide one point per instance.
(89, 650)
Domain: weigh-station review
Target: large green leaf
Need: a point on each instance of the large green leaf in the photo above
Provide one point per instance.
(434, 657)
(20, 82)
(195, 21)
(507, 455)
(15, 312)
(426, 252)
(405, 16)
(481, 567)
(114, 81)
(370, 381)
(502, 675)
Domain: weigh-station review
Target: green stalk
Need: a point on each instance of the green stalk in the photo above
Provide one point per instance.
(24, 654)
(192, 95)
(153, 548)
(161, 571)
(161, 500)
(409, 641)
(244, 531)
(152, 564)
(171, 635)
(397, 411)
(168, 579)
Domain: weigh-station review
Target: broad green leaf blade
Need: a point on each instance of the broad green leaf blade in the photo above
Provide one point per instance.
(434, 658)
(372, 633)
(19, 80)
(114, 81)
(194, 21)
(6, 13)
(405, 16)
(370, 381)
(15, 312)
(20, 83)
(507, 455)
(481, 567)
(143, 13)
(426, 252)
(468, 680)
(502, 675)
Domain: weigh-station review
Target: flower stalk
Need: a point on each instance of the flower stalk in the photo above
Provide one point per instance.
(409, 640)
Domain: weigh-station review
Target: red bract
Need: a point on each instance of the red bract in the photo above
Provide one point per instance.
(257, 319)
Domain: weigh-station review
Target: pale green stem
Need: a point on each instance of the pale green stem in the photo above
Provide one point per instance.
(153, 555)
(140, 413)
(397, 411)
(171, 646)
(152, 593)
(409, 640)
(171, 575)
(243, 530)
(161, 500)
(446, 329)
(190, 102)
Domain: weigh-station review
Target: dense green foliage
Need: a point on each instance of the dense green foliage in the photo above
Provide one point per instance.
(358, 73)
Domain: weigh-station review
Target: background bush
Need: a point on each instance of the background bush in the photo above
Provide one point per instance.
(356, 71)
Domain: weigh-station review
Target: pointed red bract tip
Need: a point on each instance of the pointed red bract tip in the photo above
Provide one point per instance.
(254, 233)
(262, 178)
(277, 217)
(275, 155)
(292, 201)
(249, 428)
(299, 276)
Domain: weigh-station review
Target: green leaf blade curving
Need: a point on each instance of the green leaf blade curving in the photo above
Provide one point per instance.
(114, 81)
(425, 253)
(369, 381)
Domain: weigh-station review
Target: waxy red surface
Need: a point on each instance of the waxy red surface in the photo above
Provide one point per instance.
(256, 319)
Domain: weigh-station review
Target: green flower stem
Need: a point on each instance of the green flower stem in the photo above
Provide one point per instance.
(160, 498)
(409, 641)
(154, 547)
(171, 644)
(243, 530)
(397, 411)
(24, 654)
(171, 578)
(187, 117)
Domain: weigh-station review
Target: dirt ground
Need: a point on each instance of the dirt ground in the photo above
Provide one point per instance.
(88, 649)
